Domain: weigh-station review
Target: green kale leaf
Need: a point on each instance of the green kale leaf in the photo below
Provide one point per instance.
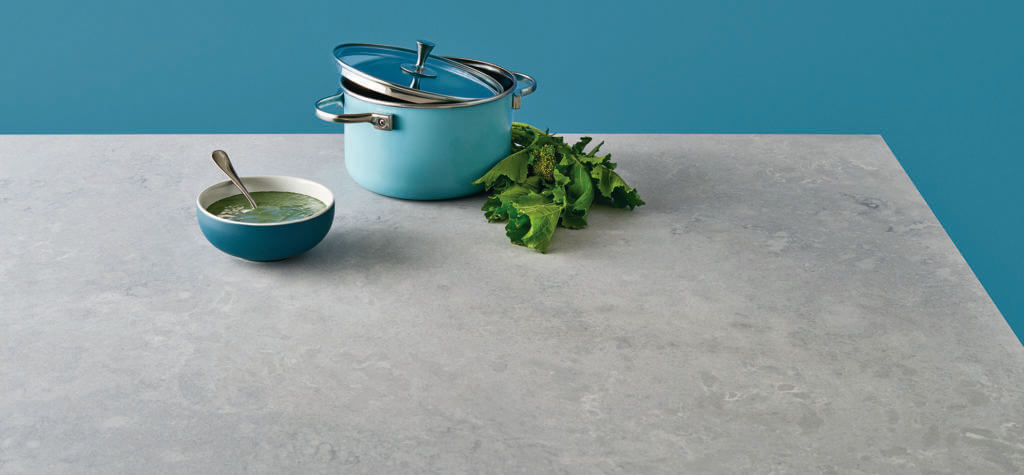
(541, 217)
(613, 188)
(497, 207)
(511, 169)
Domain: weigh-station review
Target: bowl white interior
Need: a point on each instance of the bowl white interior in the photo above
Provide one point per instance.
(225, 189)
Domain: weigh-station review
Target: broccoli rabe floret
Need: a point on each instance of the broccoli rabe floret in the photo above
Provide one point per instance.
(544, 163)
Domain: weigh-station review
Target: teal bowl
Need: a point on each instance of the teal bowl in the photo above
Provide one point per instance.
(265, 241)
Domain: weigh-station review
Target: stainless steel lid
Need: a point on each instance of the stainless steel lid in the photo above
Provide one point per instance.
(414, 76)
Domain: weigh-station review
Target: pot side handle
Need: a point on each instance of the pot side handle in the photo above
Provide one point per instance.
(517, 98)
(379, 121)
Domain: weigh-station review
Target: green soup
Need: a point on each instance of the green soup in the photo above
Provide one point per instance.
(274, 207)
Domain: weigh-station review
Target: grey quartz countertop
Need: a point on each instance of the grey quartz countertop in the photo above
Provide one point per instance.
(782, 304)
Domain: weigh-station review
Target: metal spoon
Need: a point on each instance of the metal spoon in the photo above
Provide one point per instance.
(222, 161)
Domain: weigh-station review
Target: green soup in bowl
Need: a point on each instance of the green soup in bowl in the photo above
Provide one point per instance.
(272, 207)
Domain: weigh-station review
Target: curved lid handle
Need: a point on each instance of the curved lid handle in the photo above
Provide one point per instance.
(419, 69)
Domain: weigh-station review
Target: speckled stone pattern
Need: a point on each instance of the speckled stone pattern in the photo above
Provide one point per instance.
(783, 304)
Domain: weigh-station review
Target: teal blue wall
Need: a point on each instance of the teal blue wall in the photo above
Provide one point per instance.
(941, 80)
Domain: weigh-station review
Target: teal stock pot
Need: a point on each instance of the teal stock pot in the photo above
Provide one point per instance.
(422, 127)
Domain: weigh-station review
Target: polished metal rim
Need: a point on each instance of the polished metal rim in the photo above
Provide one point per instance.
(410, 105)
(475, 63)
(398, 91)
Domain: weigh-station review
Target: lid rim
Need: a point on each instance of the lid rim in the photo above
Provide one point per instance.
(442, 105)
(438, 105)
(410, 94)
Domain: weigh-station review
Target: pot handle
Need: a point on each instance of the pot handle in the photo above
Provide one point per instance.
(517, 98)
(379, 121)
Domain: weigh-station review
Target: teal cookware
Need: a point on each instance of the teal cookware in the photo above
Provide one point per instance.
(265, 241)
(422, 127)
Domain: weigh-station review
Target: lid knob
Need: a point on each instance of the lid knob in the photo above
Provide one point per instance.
(419, 69)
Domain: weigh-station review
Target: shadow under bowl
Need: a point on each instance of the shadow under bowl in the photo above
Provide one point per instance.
(265, 241)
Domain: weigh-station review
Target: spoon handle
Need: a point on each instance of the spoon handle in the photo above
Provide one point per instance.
(222, 161)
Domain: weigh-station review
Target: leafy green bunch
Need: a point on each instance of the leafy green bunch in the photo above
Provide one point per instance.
(546, 183)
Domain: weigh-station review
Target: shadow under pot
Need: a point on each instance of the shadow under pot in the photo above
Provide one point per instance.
(426, 151)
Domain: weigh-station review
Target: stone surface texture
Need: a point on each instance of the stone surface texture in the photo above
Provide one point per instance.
(783, 304)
